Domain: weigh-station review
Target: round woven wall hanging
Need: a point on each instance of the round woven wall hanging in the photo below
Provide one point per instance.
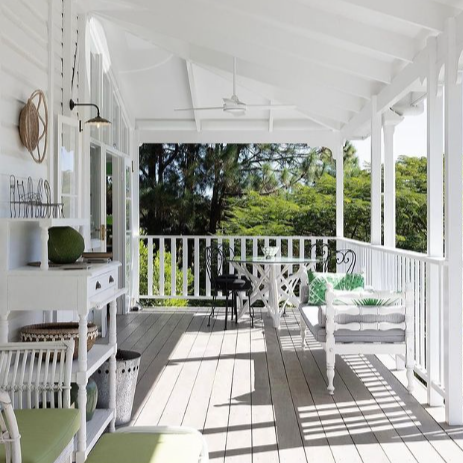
(33, 126)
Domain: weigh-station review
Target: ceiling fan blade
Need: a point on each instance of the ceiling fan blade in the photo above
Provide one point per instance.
(272, 106)
(211, 108)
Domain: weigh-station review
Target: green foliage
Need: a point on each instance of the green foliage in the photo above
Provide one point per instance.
(311, 210)
(167, 278)
(269, 189)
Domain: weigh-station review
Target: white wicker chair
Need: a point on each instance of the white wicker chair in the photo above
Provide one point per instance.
(349, 328)
(34, 375)
(9, 432)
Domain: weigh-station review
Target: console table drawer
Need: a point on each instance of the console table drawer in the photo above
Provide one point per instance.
(99, 284)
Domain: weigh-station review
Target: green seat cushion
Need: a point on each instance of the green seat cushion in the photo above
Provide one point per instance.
(146, 448)
(340, 281)
(44, 433)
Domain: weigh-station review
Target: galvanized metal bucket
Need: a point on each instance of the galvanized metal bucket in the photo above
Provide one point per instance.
(127, 366)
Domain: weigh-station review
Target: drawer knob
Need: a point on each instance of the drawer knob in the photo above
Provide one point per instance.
(111, 279)
(98, 285)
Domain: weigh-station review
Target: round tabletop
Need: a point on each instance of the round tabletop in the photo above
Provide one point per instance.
(273, 260)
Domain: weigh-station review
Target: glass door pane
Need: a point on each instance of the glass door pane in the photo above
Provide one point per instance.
(97, 200)
(68, 166)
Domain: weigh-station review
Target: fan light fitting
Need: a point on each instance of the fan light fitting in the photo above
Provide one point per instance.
(97, 121)
(235, 106)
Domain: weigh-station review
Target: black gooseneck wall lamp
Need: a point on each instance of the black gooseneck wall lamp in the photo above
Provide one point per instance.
(97, 121)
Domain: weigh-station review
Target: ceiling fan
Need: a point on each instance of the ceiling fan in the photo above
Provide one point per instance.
(235, 106)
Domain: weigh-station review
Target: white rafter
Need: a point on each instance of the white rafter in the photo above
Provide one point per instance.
(300, 19)
(193, 92)
(182, 46)
(196, 27)
(423, 13)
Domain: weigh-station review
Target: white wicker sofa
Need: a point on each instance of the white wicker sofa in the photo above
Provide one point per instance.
(360, 322)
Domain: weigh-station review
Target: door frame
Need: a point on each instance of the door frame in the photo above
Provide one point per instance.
(120, 161)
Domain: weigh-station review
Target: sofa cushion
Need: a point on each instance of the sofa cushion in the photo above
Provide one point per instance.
(45, 433)
(311, 315)
(146, 448)
(340, 281)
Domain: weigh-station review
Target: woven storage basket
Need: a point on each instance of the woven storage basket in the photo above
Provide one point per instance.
(57, 332)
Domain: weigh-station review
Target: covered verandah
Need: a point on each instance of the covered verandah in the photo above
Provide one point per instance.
(338, 102)
(344, 70)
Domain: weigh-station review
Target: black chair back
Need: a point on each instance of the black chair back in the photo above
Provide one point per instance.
(330, 257)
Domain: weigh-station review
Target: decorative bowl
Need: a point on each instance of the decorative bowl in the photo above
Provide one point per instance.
(59, 331)
(270, 251)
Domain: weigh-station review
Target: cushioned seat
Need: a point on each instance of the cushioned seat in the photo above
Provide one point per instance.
(314, 319)
(44, 433)
(233, 283)
(147, 448)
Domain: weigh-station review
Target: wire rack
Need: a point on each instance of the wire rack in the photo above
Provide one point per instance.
(27, 203)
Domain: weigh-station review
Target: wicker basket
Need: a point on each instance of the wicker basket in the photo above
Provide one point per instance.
(59, 331)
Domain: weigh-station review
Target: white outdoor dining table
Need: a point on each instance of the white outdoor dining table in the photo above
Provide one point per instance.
(273, 281)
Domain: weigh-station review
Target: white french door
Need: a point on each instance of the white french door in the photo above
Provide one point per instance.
(97, 197)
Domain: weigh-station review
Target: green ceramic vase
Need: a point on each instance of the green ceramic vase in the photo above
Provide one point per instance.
(92, 397)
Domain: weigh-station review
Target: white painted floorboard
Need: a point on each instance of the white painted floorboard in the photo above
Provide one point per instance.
(259, 398)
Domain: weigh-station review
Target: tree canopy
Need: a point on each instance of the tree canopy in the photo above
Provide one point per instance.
(266, 189)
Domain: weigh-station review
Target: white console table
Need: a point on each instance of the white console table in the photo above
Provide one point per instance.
(77, 290)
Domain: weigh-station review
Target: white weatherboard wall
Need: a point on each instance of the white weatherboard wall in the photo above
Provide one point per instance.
(31, 58)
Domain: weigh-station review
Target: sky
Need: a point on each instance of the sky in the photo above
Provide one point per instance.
(409, 139)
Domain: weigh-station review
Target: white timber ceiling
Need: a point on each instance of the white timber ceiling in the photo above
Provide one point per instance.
(326, 57)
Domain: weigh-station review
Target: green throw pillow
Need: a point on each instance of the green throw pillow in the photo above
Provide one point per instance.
(340, 281)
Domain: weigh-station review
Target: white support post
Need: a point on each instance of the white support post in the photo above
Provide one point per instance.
(376, 122)
(338, 154)
(112, 362)
(135, 154)
(375, 173)
(390, 120)
(435, 197)
(453, 322)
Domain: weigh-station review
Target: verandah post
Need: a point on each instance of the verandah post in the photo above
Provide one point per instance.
(435, 226)
(453, 312)
(376, 122)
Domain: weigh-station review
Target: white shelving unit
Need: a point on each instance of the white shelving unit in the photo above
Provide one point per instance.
(24, 288)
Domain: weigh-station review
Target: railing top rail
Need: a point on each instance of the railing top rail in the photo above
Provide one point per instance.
(401, 252)
(393, 251)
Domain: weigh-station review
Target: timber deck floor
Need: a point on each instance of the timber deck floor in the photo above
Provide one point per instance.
(258, 397)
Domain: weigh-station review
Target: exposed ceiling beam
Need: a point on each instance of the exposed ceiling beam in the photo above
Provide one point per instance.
(180, 45)
(194, 94)
(310, 22)
(202, 28)
(390, 94)
(270, 120)
(314, 138)
(423, 13)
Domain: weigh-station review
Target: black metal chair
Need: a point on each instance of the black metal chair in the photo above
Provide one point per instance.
(330, 257)
(229, 284)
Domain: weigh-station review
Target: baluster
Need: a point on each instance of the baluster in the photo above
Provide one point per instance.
(196, 265)
(185, 265)
(150, 266)
(173, 266)
(161, 266)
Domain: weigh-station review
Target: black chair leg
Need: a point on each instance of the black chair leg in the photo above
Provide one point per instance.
(251, 311)
(235, 306)
(226, 311)
(212, 312)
